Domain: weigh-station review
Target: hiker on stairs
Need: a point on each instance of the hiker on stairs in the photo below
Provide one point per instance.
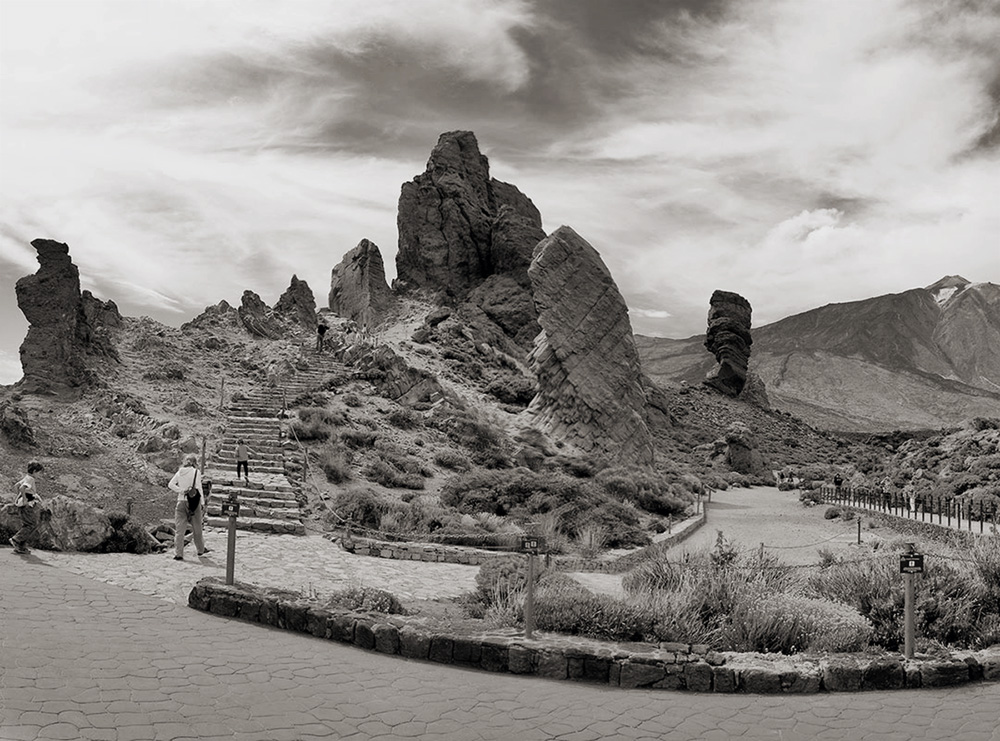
(243, 460)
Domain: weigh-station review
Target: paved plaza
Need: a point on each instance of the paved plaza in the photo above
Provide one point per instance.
(84, 659)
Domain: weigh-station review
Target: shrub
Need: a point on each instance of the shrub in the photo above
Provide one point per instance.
(366, 599)
(358, 438)
(832, 513)
(498, 578)
(650, 491)
(810, 497)
(511, 389)
(165, 373)
(335, 381)
(310, 399)
(785, 623)
(384, 473)
(486, 440)
(405, 419)
(567, 607)
(316, 423)
(352, 400)
(453, 460)
(363, 508)
(335, 463)
(127, 536)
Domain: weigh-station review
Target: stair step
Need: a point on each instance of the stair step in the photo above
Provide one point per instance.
(260, 524)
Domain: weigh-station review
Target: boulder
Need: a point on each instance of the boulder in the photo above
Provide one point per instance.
(742, 455)
(728, 338)
(297, 305)
(67, 330)
(358, 289)
(256, 318)
(590, 390)
(15, 425)
(74, 526)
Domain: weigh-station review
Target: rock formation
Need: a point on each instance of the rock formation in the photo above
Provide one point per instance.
(590, 390)
(256, 318)
(728, 338)
(67, 329)
(458, 227)
(358, 289)
(297, 305)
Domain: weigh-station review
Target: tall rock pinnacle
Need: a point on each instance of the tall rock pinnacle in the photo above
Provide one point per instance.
(458, 226)
(65, 325)
(728, 338)
(590, 390)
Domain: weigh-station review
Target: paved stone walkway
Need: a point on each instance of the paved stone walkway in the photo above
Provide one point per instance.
(305, 563)
(82, 659)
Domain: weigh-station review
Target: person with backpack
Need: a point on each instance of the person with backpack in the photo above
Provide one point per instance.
(28, 506)
(187, 483)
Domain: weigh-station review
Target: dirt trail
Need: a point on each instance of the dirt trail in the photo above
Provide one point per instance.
(754, 516)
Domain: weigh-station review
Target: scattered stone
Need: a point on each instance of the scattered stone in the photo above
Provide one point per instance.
(590, 390)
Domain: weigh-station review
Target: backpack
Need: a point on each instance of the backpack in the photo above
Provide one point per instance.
(193, 495)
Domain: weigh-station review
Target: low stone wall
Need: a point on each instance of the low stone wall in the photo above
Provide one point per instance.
(475, 556)
(672, 666)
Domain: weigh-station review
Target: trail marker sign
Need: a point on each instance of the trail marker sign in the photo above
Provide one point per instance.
(532, 545)
(911, 563)
(231, 509)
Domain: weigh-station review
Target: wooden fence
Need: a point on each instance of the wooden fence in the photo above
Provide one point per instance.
(949, 511)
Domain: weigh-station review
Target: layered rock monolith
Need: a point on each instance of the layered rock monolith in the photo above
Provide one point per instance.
(590, 390)
(67, 330)
(358, 289)
(297, 305)
(728, 339)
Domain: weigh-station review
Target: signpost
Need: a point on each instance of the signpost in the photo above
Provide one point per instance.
(910, 563)
(531, 546)
(231, 508)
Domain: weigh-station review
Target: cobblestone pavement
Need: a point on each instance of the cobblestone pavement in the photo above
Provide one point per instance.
(305, 563)
(83, 659)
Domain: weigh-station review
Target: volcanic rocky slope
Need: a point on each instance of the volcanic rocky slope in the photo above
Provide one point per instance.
(924, 358)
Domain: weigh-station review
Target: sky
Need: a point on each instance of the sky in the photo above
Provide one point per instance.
(798, 152)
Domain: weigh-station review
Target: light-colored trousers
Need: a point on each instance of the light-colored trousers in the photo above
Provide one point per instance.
(181, 523)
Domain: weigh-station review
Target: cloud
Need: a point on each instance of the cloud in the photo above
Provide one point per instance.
(10, 368)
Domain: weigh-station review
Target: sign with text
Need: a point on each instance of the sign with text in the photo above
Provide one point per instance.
(231, 509)
(911, 563)
(532, 545)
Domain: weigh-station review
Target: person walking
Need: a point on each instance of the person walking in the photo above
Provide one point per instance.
(28, 505)
(320, 335)
(187, 477)
(243, 460)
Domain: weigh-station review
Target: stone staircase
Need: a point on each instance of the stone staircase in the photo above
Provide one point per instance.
(272, 501)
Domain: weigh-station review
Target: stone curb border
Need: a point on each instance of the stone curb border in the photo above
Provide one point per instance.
(670, 666)
(429, 552)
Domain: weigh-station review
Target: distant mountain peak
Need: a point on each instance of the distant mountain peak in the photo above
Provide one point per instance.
(947, 287)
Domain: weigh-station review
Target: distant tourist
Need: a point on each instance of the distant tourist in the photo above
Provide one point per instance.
(320, 334)
(243, 460)
(28, 504)
(187, 476)
(838, 481)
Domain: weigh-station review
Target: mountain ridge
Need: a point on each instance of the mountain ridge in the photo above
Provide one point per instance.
(924, 357)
